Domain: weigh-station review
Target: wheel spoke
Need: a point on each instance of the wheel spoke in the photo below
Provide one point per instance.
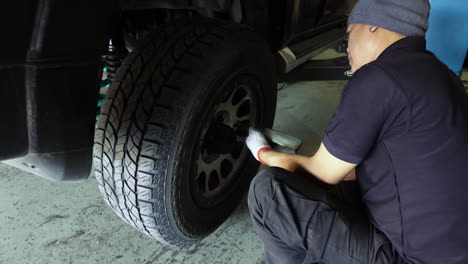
(246, 98)
(227, 107)
(232, 105)
(202, 166)
(214, 169)
(243, 118)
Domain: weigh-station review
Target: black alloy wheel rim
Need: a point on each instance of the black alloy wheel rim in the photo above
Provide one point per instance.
(221, 151)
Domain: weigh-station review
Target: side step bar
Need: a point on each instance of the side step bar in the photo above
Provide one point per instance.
(320, 70)
(299, 53)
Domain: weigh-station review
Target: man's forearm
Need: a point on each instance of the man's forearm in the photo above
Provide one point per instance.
(324, 169)
(297, 164)
(279, 159)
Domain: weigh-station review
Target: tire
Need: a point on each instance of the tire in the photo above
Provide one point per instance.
(172, 117)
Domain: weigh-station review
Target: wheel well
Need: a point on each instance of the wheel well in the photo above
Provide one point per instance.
(262, 15)
(225, 9)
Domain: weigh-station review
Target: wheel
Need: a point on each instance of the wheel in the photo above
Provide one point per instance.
(169, 148)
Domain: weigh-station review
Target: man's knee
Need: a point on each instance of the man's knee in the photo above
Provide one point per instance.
(262, 187)
(262, 183)
(259, 184)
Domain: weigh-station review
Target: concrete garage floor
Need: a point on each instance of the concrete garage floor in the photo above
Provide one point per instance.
(49, 222)
(53, 222)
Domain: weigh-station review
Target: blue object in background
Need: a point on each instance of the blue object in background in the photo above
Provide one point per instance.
(447, 35)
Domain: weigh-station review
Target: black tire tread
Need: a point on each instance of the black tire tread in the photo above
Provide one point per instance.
(134, 135)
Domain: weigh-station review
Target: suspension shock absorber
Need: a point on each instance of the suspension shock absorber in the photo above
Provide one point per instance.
(116, 52)
(112, 60)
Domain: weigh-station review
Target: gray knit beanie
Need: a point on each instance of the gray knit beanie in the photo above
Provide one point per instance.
(407, 17)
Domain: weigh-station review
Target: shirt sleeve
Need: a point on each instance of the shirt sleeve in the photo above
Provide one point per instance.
(365, 106)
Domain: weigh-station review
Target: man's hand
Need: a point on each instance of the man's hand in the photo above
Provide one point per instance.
(257, 142)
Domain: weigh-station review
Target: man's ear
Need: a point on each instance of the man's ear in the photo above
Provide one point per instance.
(373, 29)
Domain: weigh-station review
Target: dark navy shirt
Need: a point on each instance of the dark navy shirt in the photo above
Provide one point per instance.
(404, 119)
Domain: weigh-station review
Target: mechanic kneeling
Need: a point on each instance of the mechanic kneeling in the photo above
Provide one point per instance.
(401, 130)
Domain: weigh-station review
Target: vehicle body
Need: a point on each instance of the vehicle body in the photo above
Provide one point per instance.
(51, 63)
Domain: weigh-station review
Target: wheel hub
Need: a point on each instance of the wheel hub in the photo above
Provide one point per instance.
(220, 139)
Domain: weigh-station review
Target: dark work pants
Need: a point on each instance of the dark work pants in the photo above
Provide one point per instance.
(301, 222)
